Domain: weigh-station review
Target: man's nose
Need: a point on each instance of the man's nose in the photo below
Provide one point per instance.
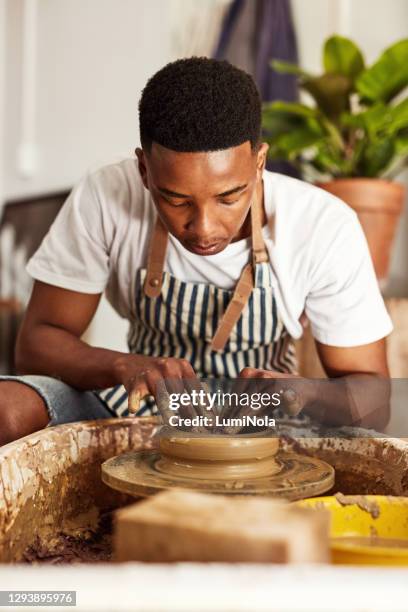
(202, 224)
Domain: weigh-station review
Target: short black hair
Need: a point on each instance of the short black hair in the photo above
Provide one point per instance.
(200, 104)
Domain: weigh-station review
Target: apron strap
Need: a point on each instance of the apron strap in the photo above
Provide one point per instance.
(234, 309)
(245, 283)
(259, 252)
(155, 260)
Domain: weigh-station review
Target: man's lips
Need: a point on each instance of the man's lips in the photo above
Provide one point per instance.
(204, 249)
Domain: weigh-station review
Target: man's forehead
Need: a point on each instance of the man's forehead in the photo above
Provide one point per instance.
(217, 166)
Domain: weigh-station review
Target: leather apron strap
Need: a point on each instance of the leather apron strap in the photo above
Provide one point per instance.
(155, 264)
(259, 252)
(245, 283)
(155, 260)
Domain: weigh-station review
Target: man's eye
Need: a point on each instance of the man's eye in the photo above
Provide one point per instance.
(178, 204)
(228, 202)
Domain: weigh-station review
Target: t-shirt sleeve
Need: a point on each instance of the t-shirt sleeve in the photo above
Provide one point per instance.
(344, 306)
(75, 253)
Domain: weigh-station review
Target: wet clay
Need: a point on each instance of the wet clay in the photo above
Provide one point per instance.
(220, 448)
(365, 504)
(219, 458)
(80, 546)
(243, 465)
(50, 487)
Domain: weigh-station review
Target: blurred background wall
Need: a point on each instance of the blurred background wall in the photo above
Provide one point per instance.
(71, 73)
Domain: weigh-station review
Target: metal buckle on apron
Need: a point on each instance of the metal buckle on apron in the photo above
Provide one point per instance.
(259, 256)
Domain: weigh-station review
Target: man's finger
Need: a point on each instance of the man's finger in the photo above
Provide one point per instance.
(200, 408)
(137, 388)
(293, 404)
(134, 399)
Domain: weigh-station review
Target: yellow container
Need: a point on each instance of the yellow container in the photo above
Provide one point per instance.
(361, 526)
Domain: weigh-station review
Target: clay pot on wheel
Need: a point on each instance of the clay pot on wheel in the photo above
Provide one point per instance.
(219, 457)
(378, 204)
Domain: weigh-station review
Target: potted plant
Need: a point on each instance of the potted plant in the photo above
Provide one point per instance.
(352, 137)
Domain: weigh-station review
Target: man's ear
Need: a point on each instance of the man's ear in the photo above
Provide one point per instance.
(141, 158)
(261, 158)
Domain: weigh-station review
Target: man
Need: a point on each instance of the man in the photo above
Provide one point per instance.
(211, 258)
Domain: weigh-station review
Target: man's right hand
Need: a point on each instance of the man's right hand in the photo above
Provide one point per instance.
(155, 376)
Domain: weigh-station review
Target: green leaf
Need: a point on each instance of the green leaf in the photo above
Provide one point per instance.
(399, 116)
(331, 92)
(357, 152)
(288, 68)
(387, 77)
(293, 143)
(279, 118)
(290, 108)
(275, 124)
(290, 128)
(342, 56)
(376, 157)
(290, 135)
(401, 145)
(334, 134)
(400, 159)
(348, 120)
(374, 120)
(379, 119)
(324, 161)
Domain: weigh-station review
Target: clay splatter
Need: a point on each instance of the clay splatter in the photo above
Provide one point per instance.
(361, 501)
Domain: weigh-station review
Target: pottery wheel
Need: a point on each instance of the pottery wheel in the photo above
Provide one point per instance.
(297, 476)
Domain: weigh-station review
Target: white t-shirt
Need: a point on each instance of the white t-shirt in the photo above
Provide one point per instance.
(318, 253)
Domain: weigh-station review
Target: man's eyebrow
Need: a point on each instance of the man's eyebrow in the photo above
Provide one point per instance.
(174, 194)
(231, 191)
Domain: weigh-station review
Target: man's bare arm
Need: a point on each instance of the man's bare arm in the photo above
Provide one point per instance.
(356, 393)
(50, 343)
(367, 359)
(363, 380)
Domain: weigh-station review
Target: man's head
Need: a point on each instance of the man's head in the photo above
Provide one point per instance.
(202, 159)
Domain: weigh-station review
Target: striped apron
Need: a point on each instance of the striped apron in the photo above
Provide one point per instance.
(219, 332)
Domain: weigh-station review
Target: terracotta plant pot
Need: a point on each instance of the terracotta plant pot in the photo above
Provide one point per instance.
(378, 204)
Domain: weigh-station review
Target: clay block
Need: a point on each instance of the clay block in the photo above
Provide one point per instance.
(186, 526)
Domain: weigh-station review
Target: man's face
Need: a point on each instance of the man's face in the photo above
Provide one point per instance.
(203, 198)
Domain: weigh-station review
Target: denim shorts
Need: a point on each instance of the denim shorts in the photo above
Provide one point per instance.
(64, 403)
